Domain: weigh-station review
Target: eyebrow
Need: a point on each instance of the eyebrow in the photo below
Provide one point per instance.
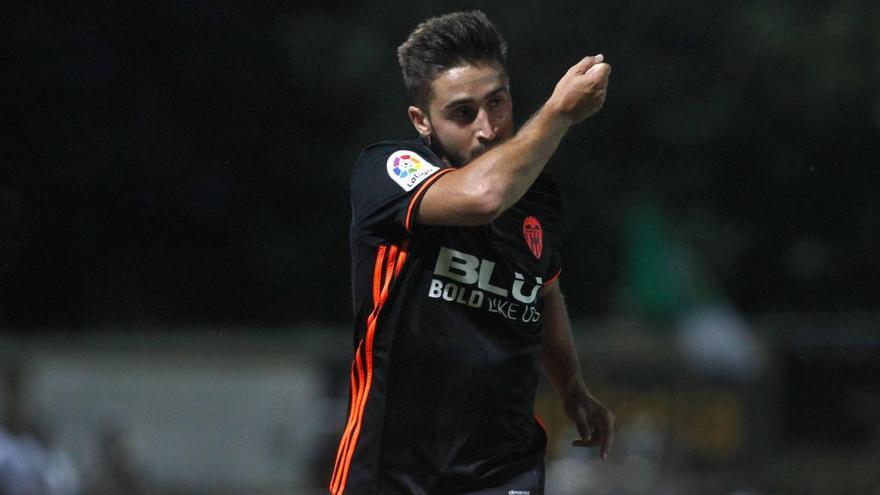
(464, 101)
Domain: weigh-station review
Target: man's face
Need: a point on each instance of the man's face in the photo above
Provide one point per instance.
(470, 111)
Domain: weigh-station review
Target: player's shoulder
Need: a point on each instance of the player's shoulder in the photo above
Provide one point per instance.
(382, 151)
(403, 163)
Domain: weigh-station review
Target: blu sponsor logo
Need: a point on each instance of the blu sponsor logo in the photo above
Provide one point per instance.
(469, 281)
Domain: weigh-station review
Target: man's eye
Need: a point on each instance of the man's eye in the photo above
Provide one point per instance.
(462, 114)
(494, 102)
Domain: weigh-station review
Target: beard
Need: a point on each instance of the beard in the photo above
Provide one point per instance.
(458, 158)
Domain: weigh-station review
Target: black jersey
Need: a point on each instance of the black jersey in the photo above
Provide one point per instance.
(448, 333)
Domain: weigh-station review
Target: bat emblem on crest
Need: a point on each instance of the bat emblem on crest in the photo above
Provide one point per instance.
(534, 235)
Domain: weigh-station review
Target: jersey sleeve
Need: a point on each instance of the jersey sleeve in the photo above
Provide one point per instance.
(388, 183)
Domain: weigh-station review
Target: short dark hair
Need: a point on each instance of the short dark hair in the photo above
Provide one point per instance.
(442, 43)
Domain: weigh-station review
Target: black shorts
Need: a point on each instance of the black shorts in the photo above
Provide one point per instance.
(529, 482)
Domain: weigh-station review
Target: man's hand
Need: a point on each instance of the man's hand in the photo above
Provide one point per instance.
(581, 91)
(595, 423)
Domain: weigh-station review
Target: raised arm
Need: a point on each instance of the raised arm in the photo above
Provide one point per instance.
(594, 422)
(479, 192)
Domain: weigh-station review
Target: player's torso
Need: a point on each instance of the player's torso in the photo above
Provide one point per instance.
(465, 358)
(473, 294)
(448, 333)
(487, 277)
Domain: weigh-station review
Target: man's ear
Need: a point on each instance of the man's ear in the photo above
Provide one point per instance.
(420, 121)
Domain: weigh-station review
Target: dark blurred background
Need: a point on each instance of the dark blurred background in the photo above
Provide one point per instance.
(184, 165)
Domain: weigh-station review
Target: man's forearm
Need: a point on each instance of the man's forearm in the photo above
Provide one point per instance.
(491, 183)
(579, 94)
(504, 173)
(560, 357)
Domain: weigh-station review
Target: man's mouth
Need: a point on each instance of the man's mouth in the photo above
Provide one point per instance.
(480, 149)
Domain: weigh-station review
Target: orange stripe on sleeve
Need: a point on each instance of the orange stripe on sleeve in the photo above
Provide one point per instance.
(552, 279)
(541, 423)
(418, 196)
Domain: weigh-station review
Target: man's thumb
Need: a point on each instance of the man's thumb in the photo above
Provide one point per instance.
(600, 73)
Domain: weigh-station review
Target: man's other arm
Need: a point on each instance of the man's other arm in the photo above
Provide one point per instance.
(477, 193)
(594, 422)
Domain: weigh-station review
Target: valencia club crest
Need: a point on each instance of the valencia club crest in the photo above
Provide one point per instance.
(534, 235)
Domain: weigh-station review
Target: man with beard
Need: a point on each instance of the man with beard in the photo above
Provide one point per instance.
(455, 265)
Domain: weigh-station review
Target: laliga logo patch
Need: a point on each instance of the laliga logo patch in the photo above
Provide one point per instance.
(408, 169)
(534, 235)
(406, 164)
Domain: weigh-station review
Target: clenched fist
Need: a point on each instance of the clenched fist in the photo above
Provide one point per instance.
(581, 91)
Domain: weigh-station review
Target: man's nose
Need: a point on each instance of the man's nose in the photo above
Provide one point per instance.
(486, 130)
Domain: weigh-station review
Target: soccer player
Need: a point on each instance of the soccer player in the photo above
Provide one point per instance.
(455, 266)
